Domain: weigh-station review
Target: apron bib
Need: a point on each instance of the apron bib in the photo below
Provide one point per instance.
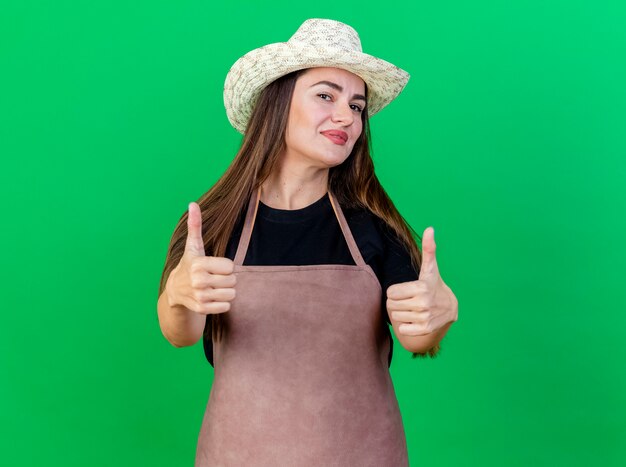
(300, 372)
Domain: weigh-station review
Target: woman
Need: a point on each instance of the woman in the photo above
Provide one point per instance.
(303, 244)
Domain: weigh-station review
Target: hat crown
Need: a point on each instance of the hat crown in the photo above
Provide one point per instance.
(327, 33)
(317, 43)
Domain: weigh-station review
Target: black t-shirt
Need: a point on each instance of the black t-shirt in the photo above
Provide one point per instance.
(312, 235)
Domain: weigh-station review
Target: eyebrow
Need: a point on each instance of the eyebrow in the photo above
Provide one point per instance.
(340, 89)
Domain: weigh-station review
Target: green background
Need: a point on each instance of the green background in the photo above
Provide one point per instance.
(509, 139)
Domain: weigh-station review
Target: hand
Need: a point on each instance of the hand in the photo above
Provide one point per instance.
(204, 284)
(424, 305)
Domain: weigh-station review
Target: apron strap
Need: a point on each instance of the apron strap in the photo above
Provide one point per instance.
(345, 228)
(244, 240)
(253, 206)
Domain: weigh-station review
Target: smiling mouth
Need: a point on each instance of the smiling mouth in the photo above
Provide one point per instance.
(335, 139)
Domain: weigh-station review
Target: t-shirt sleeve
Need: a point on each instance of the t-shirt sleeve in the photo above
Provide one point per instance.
(396, 264)
(383, 250)
(231, 250)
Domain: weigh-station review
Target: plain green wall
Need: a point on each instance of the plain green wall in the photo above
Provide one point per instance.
(509, 139)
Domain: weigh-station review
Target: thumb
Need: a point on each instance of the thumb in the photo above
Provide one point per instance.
(194, 245)
(429, 260)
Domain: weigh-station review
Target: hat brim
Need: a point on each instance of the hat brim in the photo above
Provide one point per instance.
(255, 70)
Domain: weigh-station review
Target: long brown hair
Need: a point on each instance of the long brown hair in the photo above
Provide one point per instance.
(354, 184)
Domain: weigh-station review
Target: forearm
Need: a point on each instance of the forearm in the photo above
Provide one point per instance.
(179, 325)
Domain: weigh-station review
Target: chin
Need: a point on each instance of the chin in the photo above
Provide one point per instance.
(332, 160)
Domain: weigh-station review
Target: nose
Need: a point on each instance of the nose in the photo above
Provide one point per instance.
(343, 114)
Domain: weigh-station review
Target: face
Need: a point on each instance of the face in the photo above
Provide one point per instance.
(325, 116)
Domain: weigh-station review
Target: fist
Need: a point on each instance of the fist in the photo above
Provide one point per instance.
(204, 284)
(420, 307)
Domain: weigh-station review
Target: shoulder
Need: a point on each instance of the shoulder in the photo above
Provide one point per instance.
(381, 247)
(370, 230)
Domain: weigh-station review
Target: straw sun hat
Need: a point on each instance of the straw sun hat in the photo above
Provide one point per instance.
(316, 43)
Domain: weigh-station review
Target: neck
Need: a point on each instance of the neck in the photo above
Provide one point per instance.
(294, 186)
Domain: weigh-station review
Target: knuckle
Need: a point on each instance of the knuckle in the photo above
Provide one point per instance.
(414, 288)
(200, 297)
(211, 265)
(195, 306)
(209, 279)
(221, 263)
(195, 267)
(418, 304)
(195, 297)
(230, 266)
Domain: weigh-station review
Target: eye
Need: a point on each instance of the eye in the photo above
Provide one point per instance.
(359, 109)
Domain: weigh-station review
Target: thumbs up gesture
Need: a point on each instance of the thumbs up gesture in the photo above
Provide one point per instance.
(204, 284)
(423, 306)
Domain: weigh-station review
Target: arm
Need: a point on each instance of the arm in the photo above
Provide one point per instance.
(179, 325)
(197, 286)
(422, 311)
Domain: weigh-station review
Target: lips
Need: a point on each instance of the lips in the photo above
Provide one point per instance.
(336, 136)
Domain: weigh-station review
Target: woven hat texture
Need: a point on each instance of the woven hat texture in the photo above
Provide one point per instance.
(316, 43)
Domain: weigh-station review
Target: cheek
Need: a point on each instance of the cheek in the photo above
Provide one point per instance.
(302, 119)
(294, 123)
(358, 129)
(296, 131)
